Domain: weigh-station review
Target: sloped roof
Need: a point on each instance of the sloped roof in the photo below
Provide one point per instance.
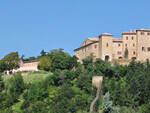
(93, 39)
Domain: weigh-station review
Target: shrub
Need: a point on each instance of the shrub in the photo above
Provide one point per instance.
(44, 64)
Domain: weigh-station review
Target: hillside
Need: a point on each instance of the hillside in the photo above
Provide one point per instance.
(68, 89)
(30, 77)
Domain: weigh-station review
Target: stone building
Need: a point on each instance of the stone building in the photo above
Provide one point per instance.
(132, 45)
(24, 67)
(28, 66)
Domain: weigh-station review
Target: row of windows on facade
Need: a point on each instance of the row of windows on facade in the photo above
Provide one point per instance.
(144, 49)
(120, 45)
(95, 46)
(143, 33)
(127, 45)
(119, 52)
(128, 38)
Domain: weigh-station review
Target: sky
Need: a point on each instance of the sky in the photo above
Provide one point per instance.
(28, 26)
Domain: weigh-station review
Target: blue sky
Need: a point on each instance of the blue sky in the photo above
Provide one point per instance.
(28, 26)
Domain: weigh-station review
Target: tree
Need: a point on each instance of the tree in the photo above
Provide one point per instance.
(61, 60)
(2, 66)
(65, 104)
(107, 105)
(22, 57)
(44, 64)
(87, 61)
(73, 62)
(30, 59)
(1, 83)
(16, 85)
(43, 53)
(9, 62)
(13, 88)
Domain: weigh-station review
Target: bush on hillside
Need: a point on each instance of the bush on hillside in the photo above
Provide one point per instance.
(44, 63)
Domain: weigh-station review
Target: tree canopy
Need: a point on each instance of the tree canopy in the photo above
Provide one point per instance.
(68, 89)
(9, 62)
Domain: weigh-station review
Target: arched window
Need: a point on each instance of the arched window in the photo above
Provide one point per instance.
(107, 45)
(118, 45)
(143, 49)
(142, 33)
(148, 48)
(119, 52)
(127, 38)
(132, 37)
(106, 58)
(120, 58)
(95, 46)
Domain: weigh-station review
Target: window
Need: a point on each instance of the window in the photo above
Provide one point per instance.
(126, 45)
(126, 38)
(132, 38)
(133, 45)
(95, 46)
(142, 48)
(142, 33)
(134, 58)
(107, 44)
(120, 58)
(148, 33)
(148, 48)
(119, 52)
(133, 52)
(118, 45)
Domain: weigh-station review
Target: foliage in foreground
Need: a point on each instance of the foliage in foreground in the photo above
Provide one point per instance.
(69, 89)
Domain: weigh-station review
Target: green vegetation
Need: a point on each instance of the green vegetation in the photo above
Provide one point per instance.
(31, 77)
(68, 89)
(44, 63)
(9, 62)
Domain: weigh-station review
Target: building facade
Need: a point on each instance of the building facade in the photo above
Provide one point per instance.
(24, 67)
(28, 66)
(132, 45)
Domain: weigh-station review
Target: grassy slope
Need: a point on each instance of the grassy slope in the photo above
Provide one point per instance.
(30, 77)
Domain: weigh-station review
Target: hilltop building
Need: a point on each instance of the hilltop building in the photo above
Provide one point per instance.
(24, 67)
(132, 45)
(28, 66)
